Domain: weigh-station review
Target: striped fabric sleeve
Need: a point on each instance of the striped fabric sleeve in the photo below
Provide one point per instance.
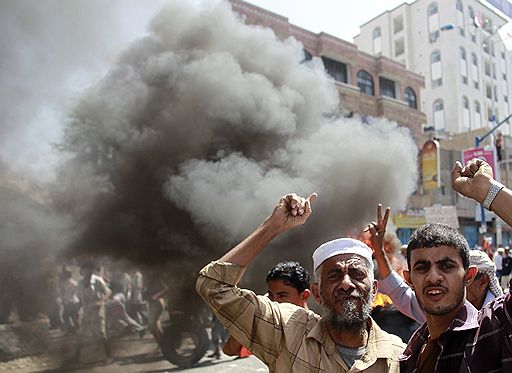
(254, 321)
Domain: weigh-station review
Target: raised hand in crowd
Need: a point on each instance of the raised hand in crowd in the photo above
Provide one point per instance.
(476, 181)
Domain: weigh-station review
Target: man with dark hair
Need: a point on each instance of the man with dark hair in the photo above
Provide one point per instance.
(287, 282)
(288, 338)
(456, 337)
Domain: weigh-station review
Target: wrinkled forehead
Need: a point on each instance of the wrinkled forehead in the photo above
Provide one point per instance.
(345, 260)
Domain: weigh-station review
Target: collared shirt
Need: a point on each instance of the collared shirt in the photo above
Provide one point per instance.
(286, 337)
(476, 341)
(404, 299)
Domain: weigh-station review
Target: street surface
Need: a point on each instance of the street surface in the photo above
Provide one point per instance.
(131, 354)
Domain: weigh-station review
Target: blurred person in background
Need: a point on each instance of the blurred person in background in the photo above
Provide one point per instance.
(287, 282)
(506, 269)
(70, 303)
(498, 261)
(92, 293)
(136, 306)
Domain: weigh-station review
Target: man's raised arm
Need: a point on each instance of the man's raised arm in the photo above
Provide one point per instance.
(290, 211)
(475, 180)
(240, 310)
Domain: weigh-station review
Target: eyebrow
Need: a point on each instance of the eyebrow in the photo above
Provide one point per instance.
(351, 266)
(444, 260)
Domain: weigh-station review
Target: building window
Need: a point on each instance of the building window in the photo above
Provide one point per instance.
(490, 116)
(487, 68)
(399, 47)
(337, 70)
(466, 118)
(433, 22)
(488, 90)
(365, 82)
(387, 87)
(463, 65)
(478, 115)
(472, 28)
(398, 24)
(474, 71)
(436, 70)
(460, 17)
(377, 41)
(410, 98)
(438, 114)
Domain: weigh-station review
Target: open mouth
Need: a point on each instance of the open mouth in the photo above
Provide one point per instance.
(435, 293)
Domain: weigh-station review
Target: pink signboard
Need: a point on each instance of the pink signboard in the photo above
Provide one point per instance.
(486, 155)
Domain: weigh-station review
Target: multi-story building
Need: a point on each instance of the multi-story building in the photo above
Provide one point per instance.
(371, 86)
(467, 69)
(454, 44)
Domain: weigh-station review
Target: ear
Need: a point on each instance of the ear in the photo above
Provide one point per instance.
(304, 296)
(315, 288)
(470, 274)
(407, 278)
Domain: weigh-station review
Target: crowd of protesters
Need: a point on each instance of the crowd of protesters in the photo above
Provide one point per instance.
(456, 293)
(459, 296)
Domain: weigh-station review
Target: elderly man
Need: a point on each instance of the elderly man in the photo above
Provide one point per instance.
(287, 337)
(456, 337)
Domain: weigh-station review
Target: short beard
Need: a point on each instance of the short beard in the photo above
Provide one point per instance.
(351, 318)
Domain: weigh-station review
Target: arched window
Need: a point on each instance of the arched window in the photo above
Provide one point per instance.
(438, 111)
(478, 115)
(433, 22)
(410, 98)
(436, 70)
(474, 71)
(463, 64)
(466, 116)
(460, 17)
(377, 41)
(365, 82)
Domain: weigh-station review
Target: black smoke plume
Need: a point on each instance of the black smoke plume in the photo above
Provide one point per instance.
(191, 138)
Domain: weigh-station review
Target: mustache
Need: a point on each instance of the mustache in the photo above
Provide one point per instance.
(348, 294)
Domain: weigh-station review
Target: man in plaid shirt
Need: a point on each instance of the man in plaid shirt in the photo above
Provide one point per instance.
(456, 337)
(287, 337)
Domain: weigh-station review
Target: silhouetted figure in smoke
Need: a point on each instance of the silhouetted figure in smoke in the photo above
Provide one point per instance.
(157, 303)
(136, 305)
(92, 293)
(70, 303)
(119, 323)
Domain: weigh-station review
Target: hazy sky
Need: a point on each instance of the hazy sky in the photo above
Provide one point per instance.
(52, 51)
(340, 18)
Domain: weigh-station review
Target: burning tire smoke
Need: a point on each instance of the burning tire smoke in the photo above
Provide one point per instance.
(185, 146)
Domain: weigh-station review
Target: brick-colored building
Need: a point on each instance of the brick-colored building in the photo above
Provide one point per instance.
(367, 85)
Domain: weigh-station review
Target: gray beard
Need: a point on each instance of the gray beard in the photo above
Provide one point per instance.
(351, 318)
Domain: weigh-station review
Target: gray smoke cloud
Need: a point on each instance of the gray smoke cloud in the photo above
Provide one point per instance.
(51, 51)
(190, 139)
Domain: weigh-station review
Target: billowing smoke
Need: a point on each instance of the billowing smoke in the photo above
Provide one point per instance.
(188, 142)
(30, 235)
(51, 50)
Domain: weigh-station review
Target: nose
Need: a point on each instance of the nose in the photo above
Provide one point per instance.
(433, 276)
(346, 283)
